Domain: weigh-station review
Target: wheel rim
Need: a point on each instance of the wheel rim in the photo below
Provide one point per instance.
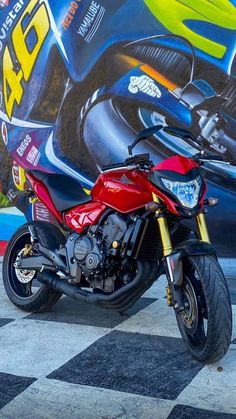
(23, 283)
(193, 321)
(190, 314)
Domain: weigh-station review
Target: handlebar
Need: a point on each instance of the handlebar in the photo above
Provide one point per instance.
(112, 166)
(142, 160)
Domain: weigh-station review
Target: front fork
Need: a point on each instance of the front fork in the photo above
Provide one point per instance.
(173, 290)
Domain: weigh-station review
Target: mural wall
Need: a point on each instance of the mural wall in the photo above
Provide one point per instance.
(80, 78)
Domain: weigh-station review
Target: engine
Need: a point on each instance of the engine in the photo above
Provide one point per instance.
(93, 252)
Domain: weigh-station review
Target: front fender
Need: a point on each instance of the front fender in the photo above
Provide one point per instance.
(195, 247)
(174, 261)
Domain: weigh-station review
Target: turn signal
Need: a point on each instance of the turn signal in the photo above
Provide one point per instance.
(152, 206)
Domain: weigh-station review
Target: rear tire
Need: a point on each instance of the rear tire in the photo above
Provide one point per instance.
(206, 325)
(20, 294)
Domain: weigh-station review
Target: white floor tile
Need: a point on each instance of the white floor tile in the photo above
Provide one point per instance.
(34, 348)
(212, 389)
(47, 399)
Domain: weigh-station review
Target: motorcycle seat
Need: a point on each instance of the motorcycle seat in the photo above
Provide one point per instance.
(66, 192)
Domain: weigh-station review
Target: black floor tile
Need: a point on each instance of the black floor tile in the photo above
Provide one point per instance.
(3, 322)
(154, 366)
(70, 311)
(11, 386)
(187, 412)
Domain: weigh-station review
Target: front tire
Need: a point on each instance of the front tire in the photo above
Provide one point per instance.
(21, 286)
(206, 323)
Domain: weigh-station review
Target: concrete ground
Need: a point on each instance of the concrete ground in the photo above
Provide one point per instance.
(78, 361)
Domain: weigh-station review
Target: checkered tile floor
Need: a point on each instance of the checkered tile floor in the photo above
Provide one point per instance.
(78, 361)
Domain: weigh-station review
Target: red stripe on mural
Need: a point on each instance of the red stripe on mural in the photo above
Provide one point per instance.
(3, 246)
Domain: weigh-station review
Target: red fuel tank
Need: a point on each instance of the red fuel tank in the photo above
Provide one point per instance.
(123, 190)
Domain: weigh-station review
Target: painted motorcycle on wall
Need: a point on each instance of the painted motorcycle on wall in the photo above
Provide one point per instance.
(70, 70)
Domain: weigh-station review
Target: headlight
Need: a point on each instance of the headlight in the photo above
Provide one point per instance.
(186, 192)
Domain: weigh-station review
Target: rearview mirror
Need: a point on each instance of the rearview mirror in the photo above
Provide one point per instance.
(143, 135)
(179, 132)
(148, 132)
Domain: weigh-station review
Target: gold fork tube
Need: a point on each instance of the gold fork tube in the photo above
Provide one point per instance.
(202, 227)
(164, 230)
(165, 235)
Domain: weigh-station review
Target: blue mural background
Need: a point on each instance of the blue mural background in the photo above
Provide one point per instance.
(80, 78)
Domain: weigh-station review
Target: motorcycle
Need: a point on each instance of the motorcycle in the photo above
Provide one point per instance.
(109, 247)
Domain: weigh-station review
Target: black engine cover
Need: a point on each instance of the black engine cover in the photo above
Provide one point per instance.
(83, 247)
(88, 254)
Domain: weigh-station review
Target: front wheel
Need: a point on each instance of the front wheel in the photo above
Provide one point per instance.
(206, 322)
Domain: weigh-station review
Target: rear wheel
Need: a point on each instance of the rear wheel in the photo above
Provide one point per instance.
(21, 286)
(206, 323)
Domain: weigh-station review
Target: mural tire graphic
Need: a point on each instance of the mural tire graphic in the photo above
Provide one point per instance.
(107, 141)
(21, 295)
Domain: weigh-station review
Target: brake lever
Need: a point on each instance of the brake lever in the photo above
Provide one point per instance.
(200, 158)
(218, 161)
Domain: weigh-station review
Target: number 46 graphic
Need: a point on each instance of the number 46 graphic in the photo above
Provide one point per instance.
(37, 20)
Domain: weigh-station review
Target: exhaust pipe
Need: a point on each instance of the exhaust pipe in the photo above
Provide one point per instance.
(122, 298)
